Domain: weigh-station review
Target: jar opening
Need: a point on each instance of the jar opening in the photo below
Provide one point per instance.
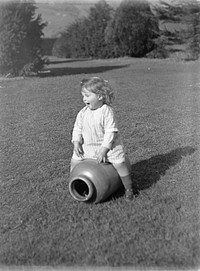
(81, 189)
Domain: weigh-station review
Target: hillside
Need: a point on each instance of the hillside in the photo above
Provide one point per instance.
(59, 15)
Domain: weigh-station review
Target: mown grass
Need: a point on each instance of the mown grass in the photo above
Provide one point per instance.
(157, 104)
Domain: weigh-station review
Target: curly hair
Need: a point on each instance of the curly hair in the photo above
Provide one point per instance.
(99, 86)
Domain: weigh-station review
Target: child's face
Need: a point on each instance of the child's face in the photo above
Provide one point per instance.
(92, 100)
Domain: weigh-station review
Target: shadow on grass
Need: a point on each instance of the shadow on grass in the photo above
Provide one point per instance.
(80, 70)
(147, 172)
(61, 61)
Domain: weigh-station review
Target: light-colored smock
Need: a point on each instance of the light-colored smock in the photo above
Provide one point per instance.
(93, 128)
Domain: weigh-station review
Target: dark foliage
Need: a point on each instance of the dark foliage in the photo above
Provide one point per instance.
(47, 45)
(130, 30)
(186, 14)
(98, 19)
(20, 38)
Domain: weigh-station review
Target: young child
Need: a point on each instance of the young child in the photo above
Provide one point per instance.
(95, 133)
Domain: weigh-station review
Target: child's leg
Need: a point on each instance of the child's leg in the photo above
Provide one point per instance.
(125, 174)
(124, 171)
(74, 162)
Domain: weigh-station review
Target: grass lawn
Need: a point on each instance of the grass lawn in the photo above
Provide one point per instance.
(157, 105)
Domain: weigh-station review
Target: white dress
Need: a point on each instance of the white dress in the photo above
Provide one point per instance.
(92, 128)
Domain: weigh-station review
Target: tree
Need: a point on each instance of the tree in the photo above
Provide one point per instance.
(132, 29)
(104, 33)
(98, 19)
(20, 37)
(192, 33)
(86, 36)
(185, 18)
(61, 46)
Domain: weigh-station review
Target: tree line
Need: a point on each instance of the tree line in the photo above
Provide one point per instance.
(130, 30)
(134, 29)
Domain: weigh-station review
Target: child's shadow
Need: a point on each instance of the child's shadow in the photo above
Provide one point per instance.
(147, 172)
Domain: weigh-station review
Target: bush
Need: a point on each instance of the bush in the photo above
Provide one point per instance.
(32, 68)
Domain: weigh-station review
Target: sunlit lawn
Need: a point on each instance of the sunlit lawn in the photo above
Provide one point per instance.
(157, 105)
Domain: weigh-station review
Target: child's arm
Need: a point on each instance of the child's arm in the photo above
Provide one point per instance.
(78, 149)
(106, 146)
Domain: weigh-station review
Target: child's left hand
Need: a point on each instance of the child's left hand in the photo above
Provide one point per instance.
(101, 156)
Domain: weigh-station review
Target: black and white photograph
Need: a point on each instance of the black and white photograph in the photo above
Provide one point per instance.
(99, 135)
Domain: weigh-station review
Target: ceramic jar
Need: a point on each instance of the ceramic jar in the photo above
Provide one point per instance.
(90, 181)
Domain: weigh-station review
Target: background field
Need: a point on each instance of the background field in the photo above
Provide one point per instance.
(157, 105)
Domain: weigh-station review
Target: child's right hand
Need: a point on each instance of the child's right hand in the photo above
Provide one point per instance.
(78, 149)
